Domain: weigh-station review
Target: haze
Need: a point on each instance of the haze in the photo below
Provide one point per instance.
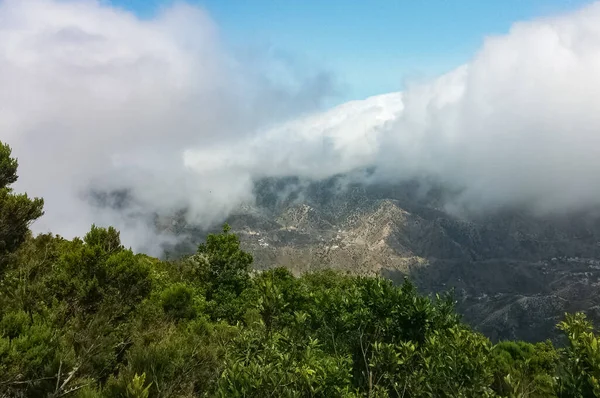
(97, 99)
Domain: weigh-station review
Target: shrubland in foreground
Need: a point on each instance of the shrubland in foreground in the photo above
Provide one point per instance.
(89, 318)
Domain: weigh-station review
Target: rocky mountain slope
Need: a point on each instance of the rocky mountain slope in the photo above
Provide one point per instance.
(514, 274)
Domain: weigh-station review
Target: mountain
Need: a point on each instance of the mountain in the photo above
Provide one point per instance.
(514, 273)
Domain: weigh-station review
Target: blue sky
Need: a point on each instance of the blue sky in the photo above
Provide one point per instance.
(371, 47)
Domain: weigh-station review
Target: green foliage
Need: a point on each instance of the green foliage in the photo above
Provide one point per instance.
(17, 211)
(88, 318)
(227, 266)
(223, 269)
(137, 387)
(95, 275)
(525, 370)
(14, 324)
(449, 363)
(8, 166)
(106, 239)
(180, 360)
(31, 357)
(178, 301)
(278, 367)
(581, 364)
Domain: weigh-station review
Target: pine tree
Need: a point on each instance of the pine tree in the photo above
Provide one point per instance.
(17, 211)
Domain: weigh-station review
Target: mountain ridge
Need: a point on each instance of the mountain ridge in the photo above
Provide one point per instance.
(514, 273)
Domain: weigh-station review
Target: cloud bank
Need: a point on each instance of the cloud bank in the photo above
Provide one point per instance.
(94, 99)
(519, 125)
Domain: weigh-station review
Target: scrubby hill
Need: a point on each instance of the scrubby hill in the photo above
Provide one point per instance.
(514, 273)
(89, 318)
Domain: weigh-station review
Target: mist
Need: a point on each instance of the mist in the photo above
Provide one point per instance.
(516, 127)
(95, 100)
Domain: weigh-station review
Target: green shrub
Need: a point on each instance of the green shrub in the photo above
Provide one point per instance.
(178, 301)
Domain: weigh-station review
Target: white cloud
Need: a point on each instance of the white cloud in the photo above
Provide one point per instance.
(519, 125)
(94, 97)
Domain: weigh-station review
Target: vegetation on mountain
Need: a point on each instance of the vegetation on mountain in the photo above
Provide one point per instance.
(90, 318)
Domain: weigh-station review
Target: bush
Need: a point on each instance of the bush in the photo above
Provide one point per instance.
(178, 302)
(88, 318)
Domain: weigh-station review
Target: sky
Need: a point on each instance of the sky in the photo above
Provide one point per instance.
(186, 106)
(390, 41)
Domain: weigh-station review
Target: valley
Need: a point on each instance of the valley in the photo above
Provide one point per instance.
(514, 274)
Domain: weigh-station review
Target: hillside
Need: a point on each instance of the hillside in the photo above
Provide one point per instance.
(89, 318)
(514, 274)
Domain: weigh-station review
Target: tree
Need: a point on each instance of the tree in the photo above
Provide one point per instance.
(224, 270)
(17, 211)
(88, 318)
(8, 166)
(228, 265)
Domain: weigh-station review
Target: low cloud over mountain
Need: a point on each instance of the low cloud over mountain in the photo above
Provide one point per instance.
(97, 100)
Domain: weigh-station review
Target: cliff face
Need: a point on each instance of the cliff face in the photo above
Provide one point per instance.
(514, 274)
